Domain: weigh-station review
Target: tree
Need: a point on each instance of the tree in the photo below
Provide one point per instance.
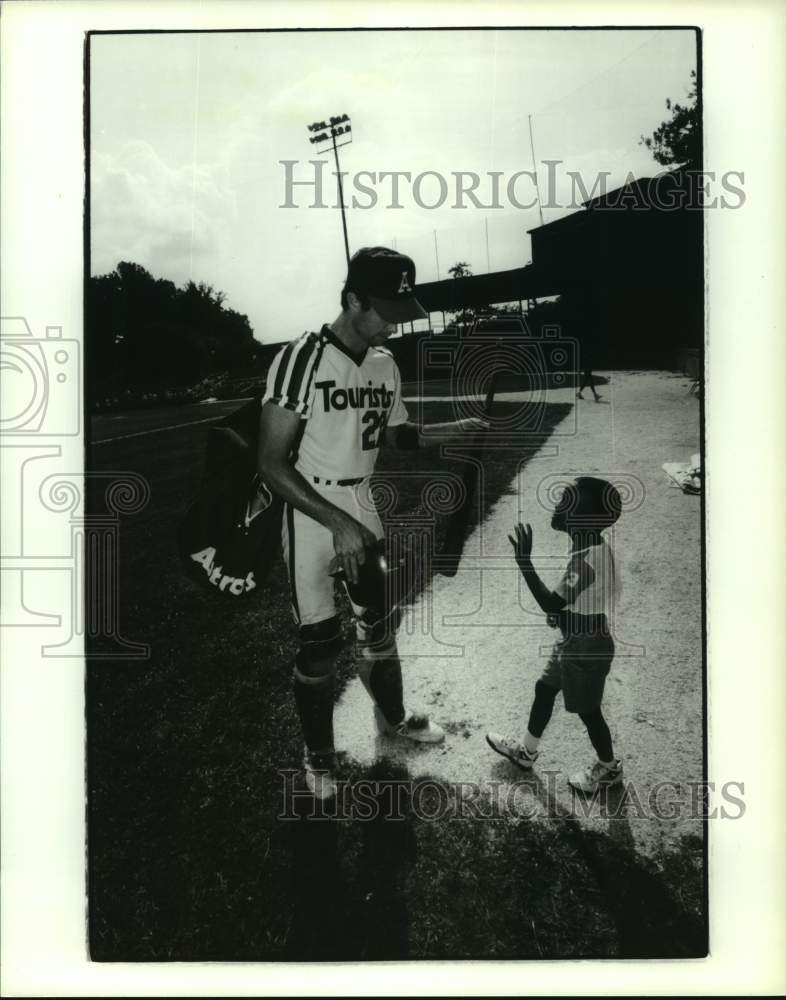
(467, 315)
(145, 334)
(676, 141)
(464, 317)
(507, 309)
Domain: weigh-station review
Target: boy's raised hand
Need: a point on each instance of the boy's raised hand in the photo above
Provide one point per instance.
(522, 543)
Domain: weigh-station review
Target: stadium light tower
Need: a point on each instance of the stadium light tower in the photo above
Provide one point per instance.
(324, 135)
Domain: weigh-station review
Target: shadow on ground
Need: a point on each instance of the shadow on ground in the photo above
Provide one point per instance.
(402, 870)
(186, 756)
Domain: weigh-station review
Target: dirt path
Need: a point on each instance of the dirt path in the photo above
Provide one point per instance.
(473, 646)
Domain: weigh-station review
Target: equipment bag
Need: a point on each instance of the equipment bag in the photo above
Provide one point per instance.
(231, 533)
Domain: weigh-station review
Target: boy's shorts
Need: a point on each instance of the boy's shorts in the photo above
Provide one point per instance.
(578, 666)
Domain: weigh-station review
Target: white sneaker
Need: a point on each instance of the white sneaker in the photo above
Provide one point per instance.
(320, 774)
(418, 728)
(514, 750)
(597, 776)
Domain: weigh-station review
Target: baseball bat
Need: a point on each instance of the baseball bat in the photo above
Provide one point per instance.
(453, 546)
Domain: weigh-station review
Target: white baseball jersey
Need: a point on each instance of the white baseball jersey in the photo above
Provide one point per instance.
(345, 401)
(599, 596)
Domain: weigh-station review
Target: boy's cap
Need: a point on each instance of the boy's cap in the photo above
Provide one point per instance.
(388, 279)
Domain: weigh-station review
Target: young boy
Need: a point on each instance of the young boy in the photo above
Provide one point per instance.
(580, 606)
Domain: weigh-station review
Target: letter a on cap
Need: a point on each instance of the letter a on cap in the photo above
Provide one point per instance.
(404, 286)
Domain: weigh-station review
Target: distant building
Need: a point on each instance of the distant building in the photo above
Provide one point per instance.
(628, 267)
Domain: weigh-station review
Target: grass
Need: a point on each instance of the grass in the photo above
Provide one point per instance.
(187, 859)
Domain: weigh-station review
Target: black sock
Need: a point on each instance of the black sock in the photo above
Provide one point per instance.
(599, 734)
(314, 701)
(387, 688)
(542, 707)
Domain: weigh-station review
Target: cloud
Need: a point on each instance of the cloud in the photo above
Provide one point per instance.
(170, 220)
(327, 86)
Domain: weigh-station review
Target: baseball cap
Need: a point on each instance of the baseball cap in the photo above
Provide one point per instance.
(388, 279)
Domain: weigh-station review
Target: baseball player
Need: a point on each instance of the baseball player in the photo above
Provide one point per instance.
(332, 400)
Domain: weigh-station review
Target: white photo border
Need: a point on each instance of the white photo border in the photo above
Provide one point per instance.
(43, 901)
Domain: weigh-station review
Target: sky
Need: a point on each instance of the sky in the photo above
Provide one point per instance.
(188, 132)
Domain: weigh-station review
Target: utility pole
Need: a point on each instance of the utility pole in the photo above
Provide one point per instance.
(324, 137)
(534, 168)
